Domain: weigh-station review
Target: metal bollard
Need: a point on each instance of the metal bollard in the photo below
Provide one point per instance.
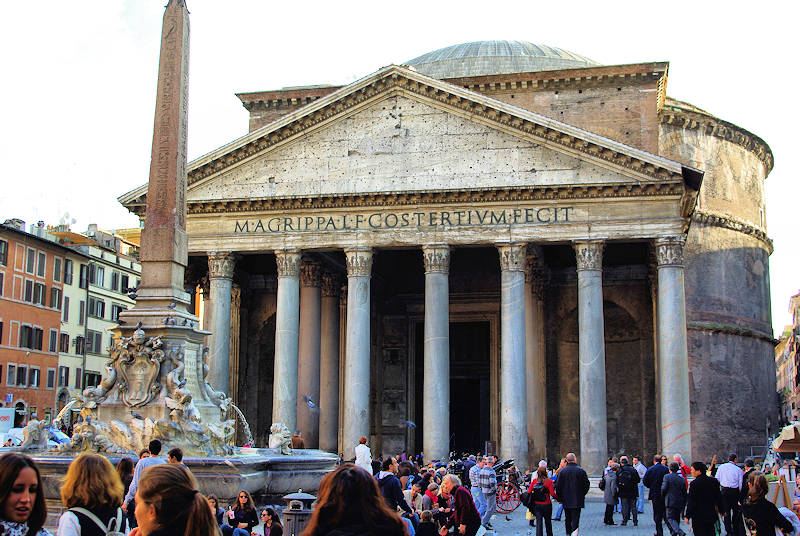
(297, 513)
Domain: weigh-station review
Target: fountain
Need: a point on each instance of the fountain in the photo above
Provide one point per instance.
(155, 383)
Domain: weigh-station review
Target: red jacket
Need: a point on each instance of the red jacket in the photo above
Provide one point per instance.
(548, 484)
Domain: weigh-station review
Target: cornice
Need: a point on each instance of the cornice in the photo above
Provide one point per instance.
(731, 330)
(463, 195)
(724, 221)
(675, 115)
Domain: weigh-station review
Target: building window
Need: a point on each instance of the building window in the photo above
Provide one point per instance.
(31, 261)
(22, 375)
(100, 279)
(92, 274)
(55, 298)
(42, 264)
(28, 297)
(115, 281)
(124, 283)
(82, 313)
(53, 340)
(80, 345)
(92, 379)
(11, 377)
(63, 376)
(65, 315)
(38, 336)
(78, 377)
(25, 337)
(38, 293)
(34, 377)
(63, 343)
(51, 378)
(3, 252)
(1, 283)
(97, 308)
(115, 311)
(1, 334)
(57, 269)
(95, 341)
(67, 271)
(83, 277)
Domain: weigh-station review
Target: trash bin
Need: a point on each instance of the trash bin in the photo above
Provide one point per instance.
(297, 513)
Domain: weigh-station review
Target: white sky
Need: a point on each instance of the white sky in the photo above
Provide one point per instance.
(79, 80)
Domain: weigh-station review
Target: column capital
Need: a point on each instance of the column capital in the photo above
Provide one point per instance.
(331, 285)
(534, 271)
(310, 274)
(359, 261)
(589, 254)
(221, 264)
(669, 250)
(512, 256)
(288, 261)
(437, 258)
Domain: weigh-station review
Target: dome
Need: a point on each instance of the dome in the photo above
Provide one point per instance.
(496, 57)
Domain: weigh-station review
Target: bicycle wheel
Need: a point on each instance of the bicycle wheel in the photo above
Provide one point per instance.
(507, 497)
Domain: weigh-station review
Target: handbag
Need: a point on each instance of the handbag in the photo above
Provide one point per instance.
(525, 499)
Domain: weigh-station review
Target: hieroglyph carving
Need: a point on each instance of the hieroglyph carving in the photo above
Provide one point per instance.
(288, 261)
(512, 257)
(669, 251)
(310, 274)
(221, 264)
(437, 258)
(589, 254)
(359, 261)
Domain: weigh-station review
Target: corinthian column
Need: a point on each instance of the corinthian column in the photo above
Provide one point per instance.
(308, 352)
(513, 400)
(436, 379)
(220, 272)
(329, 365)
(673, 357)
(287, 324)
(356, 366)
(534, 356)
(591, 355)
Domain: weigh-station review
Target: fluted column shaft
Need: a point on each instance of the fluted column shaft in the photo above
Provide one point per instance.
(591, 356)
(513, 398)
(673, 357)
(308, 358)
(535, 361)
(329, 365)
(436, 376)
(287, 324)
(220, 271)
(357, 346)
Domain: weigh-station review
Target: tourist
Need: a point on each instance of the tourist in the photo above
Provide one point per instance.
(749, 467)
(652, 480)
(216, 510)
(572, 486)
(628, 489)
(92, 493)
(407, 474)
(270, 524)
(389, 486)
(541, 490)
(673, 492)
(376, 465)
(349, 503)
(243, 517)
(664, 461)
(685, 469)
(641, 469)
(426, 525)
(560, 509)
(469, 463)
(175, 456)
(475, 487)
(608, 483)
(760, 515)
(414, 496)
(363, 455)
(125, 471)
(297, 440)
(730, 482)
(703, 502)
(464, 516)
(487, 480)
(168, 503)
(22, 504)
(144, 453)
(149, 460)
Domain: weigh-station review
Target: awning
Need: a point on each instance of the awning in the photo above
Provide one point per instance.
(788, 440)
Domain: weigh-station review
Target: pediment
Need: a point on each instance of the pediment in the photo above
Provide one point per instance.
(397, 132)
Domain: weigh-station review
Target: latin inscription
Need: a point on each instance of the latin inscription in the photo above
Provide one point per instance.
(405, 220)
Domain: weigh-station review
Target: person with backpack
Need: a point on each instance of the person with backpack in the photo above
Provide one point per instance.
(92, 494)
(539, 503)
(628, 489)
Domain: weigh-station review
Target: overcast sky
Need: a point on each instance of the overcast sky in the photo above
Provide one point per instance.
(79, 80)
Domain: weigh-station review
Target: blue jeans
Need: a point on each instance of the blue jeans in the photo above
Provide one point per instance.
(640, 500)
(559, 511)
(491, 506)
(477, 498)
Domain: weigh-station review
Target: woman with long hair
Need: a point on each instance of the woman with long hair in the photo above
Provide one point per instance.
(168, 503)
(216, 510)
(125, 467)
(760, 515)
(243, 517)
(92, 493)
(541, 490)
(349, 503)
(22, 505)
(270, 524)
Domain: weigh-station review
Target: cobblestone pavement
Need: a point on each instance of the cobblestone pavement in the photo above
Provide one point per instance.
(591, 523)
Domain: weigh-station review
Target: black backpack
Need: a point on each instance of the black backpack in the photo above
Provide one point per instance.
(624, 480)
(539, 492)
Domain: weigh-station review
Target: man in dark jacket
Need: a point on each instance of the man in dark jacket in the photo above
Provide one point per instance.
(628, 486)
(704, 501)
(749, 467)
(673, 491)
(572, 486)
(652, 480)
(389, 486)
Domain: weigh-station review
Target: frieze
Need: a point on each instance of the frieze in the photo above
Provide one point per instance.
(359, 261)
(288, 261)
(221, 264)
(669, 251)
(310, 274)
(589, 254)
(512, 257)
(437, 258)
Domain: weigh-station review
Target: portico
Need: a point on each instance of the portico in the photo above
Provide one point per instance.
(437, 205)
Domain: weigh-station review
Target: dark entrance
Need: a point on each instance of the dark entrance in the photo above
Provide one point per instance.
(469, 385)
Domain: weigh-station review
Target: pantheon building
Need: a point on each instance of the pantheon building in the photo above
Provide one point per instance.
(496, 242)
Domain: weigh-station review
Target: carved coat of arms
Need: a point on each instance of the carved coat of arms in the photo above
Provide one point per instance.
(139, 369)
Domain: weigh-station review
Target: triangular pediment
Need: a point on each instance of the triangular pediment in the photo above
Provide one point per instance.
(398, 131)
